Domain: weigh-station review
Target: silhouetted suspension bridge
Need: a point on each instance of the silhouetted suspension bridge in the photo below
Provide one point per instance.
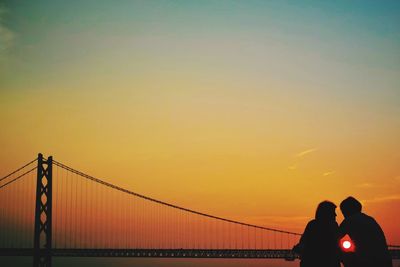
(77, 215)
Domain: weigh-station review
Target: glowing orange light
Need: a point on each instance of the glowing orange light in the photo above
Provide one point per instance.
(346, 244)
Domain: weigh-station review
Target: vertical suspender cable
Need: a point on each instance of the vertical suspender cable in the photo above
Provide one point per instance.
(119, 229)
(178, 224)
(248, 238)
(130, 223)
(31, 212)
(73, 209)
(134, 221)
(7, 217)
(262, 239)
(69, 212)
(157, 228)
(100, 217)
(121, 219)
(64, 209)
(18, 211)
(2, 218)
(56, 209)
(70, 206)
(121, 233)
(76, 211)
(194, 230)
(111, 211)
(255, 238)
(13, 215)
(144, 228)
(187, 231)
(85, 212)
(126, 205)
(9, 213)
(20, 201)
(80, 211)
(161, 222)
(22, 212)
(103, 218)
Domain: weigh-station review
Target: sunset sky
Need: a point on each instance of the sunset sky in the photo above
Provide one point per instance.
(250, 110)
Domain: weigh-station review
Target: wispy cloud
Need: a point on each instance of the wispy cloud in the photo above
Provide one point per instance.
(305, 152)
(299, 156)
(366, 185)
(328, 173)
(382, 199)
(374, 185)
(7, 36)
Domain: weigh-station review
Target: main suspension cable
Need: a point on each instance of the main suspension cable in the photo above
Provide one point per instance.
(15, 179)
(8, 175)
(61, 165)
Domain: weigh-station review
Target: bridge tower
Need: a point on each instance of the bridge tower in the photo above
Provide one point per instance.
(43, 209)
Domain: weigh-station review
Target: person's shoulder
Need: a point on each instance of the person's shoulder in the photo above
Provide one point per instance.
(355, 220)
(311, 224)
(371, 220)
(366, 217)
(362, 214)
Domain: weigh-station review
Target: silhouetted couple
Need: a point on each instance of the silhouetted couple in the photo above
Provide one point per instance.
(319, 244)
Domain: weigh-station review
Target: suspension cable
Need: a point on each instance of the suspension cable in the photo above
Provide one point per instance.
(8, 175)
(15, 179)
(165, 203)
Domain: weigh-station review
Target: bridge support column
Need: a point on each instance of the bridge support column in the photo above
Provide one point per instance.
(42, 236)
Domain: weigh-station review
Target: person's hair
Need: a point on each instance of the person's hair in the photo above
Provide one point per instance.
(350, 206)
(325, 211)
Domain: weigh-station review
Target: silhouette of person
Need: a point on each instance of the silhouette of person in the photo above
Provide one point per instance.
(318, 245)
(370, 245)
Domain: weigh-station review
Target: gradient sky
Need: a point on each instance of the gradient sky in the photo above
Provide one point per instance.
(252, 110)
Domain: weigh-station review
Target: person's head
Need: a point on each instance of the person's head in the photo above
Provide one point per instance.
(350, 206)
(325, 211)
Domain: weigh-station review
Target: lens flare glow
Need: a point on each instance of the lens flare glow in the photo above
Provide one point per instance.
(346, 244)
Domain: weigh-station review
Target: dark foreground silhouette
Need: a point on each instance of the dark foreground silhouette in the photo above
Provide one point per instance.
(318, 245)
(370, 247)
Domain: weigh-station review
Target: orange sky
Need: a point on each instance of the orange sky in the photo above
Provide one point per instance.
(217, 108)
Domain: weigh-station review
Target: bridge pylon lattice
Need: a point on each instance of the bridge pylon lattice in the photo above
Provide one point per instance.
(43, 213)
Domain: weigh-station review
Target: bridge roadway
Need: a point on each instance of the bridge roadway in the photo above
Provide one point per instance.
(171, 253)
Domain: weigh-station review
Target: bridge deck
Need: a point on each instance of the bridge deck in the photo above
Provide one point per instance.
(161, 253)
(170, 253)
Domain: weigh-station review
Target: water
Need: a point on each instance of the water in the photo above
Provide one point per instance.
(154, 262)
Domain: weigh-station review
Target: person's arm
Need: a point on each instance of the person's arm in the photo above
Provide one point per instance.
(343, 229)
(299, 248)
(345, 258)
